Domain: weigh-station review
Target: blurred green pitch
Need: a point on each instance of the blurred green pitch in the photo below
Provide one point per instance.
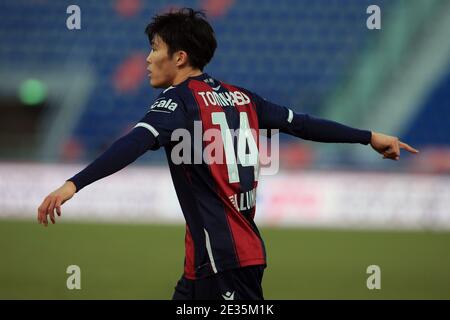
(121, 261)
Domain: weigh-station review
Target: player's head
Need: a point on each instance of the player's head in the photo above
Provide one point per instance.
(180, 40)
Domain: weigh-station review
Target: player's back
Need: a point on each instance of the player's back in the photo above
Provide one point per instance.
(210, 133)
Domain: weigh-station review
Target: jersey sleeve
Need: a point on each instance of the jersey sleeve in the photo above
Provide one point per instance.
(305, 126)
(153, 131)
(120, 154)
(164, 116)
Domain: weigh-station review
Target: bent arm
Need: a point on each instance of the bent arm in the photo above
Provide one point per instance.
(120, 154)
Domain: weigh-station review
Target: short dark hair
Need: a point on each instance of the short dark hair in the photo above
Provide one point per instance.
(187, 30)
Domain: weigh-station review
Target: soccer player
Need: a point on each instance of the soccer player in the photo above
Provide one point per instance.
(224, 253)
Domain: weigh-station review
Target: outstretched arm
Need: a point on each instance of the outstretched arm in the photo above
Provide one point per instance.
(273, 116)
(121, 153)
(153, 131)
(315, 129)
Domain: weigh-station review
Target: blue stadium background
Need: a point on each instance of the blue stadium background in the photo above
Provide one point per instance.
(298, 53)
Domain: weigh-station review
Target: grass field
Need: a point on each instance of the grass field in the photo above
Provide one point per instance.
(145, 261)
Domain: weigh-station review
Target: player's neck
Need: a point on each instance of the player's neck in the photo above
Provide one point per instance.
(183, 74)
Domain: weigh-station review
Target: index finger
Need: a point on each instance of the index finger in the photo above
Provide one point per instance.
(407, 147)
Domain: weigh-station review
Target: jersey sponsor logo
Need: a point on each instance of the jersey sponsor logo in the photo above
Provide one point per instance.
(224, 99)
(164, 106)
(209, 80)
(228, 295)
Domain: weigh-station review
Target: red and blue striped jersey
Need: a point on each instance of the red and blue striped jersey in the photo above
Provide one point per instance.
(218, 198)
(210, 132)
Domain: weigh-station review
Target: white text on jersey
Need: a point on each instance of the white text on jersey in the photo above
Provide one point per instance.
(164, 105)
(224, 99)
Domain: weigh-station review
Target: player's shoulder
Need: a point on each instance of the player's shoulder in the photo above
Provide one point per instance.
(168, 100)
(249, 93)
(232, 87)
(172, 92)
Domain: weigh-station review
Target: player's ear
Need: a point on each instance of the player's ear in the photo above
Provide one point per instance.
(181, 58)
